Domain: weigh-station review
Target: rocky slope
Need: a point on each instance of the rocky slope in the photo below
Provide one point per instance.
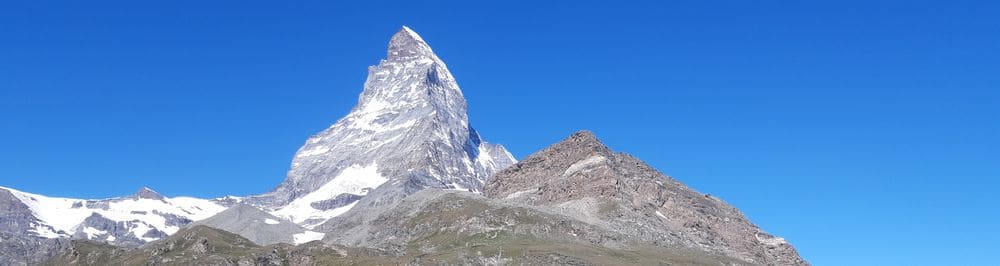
(258, 226)
(19, 245)
(583, 178)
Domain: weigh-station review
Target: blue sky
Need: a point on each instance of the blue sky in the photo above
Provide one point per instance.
(865, 132)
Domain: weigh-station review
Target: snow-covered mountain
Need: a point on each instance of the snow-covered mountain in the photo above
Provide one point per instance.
(410, 128)
(409, 131)
(145, 216)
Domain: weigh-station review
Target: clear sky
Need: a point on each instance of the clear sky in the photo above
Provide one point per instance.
(865, 132)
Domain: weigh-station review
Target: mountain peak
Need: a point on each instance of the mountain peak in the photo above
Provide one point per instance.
(583, 143)
(584, 136)
(410, 130)
(579, 160)
(582, 174)
(411, 33)
(407, 44)
(147, 193)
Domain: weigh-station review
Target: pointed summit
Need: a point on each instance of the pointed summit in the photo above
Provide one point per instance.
(579, 163)
(407, 44)
(409, 131)
(580, 145)
(147, 193)
(585, 137)
(411, 33)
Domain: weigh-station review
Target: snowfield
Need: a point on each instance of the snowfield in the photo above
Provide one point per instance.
(62, 217)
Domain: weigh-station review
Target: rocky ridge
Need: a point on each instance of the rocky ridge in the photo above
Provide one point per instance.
(583, 178)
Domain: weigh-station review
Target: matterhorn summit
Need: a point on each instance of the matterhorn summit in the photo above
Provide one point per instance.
(409, 131)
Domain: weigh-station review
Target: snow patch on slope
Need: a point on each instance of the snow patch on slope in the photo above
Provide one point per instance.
(413, 34)
(313, 152)
(307, 236)
(93, 232)
(484, 158)
(583, 164)
(355, 180)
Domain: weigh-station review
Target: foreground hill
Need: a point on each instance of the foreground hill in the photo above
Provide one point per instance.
(198, 245)
(441, 235)
(616, 192)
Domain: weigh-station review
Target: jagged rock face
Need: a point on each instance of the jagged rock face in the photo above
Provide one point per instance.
(623, 194)
(19, 249)
(409, 128)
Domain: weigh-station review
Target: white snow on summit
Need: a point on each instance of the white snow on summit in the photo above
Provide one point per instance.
(413, 34)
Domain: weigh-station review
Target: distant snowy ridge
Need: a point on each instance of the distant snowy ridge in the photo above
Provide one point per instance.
(140, 218)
